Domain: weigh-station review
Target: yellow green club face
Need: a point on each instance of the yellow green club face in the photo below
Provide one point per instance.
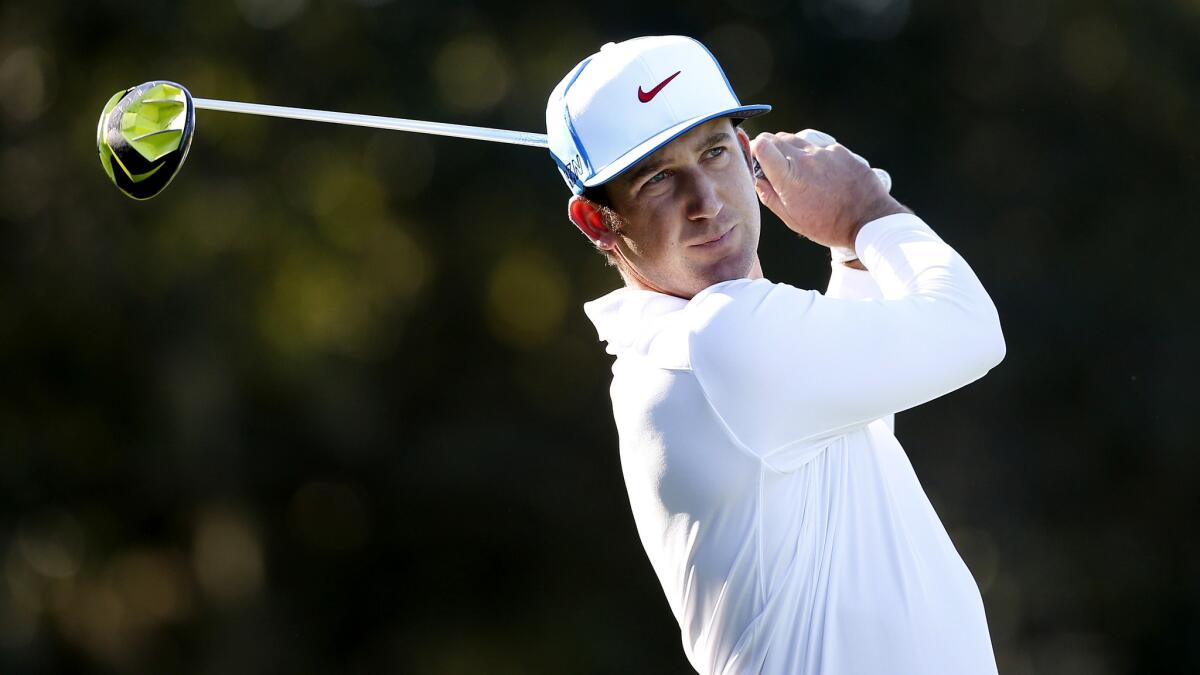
(106, 155)
(143, 136)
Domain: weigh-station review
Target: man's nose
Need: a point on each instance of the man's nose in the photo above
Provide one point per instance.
(703, 202)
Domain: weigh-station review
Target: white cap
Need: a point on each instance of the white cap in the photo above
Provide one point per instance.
(626, 101)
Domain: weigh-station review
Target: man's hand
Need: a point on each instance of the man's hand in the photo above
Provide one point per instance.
(822, 193)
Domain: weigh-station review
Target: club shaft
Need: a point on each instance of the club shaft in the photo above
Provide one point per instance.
(376, 122)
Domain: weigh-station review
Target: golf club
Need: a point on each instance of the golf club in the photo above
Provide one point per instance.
(144, 132)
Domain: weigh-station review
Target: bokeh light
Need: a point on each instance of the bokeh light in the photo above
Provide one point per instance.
(472, 73)
(745, 54)
(861, 19)
(329, 516)
(526, 298)
(1017, 23)
(270, 13)
(52, 544)
(227, 555)
(27, 83)
(1094, 52)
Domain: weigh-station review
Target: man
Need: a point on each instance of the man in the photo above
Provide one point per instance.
(781, 515)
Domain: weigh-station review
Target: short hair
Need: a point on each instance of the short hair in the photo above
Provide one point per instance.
(598, 194)
(612, 220)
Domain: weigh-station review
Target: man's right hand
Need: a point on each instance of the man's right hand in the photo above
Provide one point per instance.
(822, 193)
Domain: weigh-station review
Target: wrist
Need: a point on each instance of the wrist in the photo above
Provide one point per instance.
(881, 208)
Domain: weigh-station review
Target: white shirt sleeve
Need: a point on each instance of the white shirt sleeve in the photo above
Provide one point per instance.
(784, 366)
(849, 283)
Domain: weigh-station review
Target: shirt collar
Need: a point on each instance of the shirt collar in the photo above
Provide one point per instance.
(622, 316)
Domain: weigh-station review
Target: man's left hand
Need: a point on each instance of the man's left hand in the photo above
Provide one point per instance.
(824, 193)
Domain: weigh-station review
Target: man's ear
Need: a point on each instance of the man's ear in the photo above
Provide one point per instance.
(587, 216)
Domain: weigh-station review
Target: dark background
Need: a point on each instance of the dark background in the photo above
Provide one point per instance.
(330, 404)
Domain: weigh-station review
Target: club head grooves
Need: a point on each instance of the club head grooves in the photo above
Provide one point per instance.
(139, 158)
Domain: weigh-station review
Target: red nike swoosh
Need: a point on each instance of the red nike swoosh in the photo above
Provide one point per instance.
(645, 96)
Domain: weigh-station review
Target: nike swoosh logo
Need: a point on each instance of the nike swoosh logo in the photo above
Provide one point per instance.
(646, 96)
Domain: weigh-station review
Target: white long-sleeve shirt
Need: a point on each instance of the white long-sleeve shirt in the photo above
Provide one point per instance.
(781, 515)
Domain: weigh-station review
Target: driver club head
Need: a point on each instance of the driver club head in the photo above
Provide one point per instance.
(144, 135)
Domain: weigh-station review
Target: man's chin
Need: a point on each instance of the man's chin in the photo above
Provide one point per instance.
(729, 268)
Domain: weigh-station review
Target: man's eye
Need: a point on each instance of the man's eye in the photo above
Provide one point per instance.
(657, 178)
(715, 152)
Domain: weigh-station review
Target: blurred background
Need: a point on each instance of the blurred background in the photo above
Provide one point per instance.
(330, 404)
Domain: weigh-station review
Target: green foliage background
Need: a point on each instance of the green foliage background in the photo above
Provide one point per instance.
(330, 404)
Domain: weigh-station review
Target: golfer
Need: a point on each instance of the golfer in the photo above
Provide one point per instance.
(781, 515)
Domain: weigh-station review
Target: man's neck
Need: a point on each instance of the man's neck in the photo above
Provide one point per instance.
(634, 279)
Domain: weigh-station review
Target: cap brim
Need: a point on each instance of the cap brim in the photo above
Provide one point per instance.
(651, 145)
